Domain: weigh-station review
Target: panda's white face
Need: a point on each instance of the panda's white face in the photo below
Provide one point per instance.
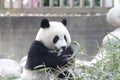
(55, 36)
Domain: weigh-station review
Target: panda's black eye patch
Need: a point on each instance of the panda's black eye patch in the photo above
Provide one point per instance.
(56, 38)
(65, 38)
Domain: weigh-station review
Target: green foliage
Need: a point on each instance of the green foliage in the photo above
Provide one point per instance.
(77, 49)
(2, 77)
(106, 69)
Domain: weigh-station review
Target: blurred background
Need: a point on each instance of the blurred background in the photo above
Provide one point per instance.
(20, 20)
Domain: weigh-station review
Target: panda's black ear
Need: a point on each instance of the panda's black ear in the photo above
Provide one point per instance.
(45, 23)
(64, 21)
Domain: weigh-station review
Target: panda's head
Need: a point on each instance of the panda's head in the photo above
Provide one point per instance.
(54, 35)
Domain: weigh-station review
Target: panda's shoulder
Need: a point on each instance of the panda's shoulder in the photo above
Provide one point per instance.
(38, 43)
(38, 46)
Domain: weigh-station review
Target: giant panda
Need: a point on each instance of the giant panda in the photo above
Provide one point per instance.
(52, 36)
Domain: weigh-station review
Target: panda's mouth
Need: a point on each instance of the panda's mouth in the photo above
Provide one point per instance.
(57, 49)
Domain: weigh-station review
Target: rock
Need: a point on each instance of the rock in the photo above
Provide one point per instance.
(112, 39)
(113, 16)
(10, 74)
(9, 69)
(23, 61)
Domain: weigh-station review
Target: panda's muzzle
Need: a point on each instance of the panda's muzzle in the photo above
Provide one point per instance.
(63, 47)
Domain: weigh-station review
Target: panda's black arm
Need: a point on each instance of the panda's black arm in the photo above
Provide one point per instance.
(52, 60)
(39, 54)
(47, 58)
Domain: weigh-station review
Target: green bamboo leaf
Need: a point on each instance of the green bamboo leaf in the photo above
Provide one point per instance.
(76, 50)
(39, 66)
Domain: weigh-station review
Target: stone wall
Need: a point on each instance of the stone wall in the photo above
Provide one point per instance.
(17, 33)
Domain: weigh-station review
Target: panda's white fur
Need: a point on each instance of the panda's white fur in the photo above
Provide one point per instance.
(46, 36)
(56, 28)
(27, 74)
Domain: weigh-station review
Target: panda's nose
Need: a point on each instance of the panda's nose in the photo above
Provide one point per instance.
(63, 47)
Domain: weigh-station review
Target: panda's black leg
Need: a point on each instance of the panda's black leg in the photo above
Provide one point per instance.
(64, 75)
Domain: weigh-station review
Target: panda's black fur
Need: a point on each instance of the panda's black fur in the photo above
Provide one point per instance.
(39, 54)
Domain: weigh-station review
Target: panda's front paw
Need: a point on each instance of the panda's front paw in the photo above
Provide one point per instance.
(67, 51)
(64, 61)
(70, 50)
